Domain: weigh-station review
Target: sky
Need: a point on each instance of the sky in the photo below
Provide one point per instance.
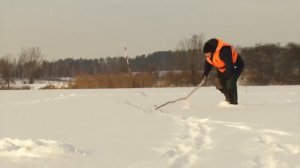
(101, 28)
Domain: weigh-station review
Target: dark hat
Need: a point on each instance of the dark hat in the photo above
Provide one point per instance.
(210, 46)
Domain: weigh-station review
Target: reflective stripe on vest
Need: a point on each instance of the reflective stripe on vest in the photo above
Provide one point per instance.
(216, 60)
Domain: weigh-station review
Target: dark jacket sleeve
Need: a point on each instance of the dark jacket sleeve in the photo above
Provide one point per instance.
(207, 68)
(226, 56)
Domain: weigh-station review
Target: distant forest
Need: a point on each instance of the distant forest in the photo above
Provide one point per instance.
(265, 64)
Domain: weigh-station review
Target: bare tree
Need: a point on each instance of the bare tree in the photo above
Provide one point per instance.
(7, 64)
(193, 46)
(30, 61)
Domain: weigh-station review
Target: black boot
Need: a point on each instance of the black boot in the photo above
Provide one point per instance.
(226, 94)
(232, 88)
(232, 97)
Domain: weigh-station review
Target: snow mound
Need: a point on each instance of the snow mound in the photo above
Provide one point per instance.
(185, 105)
(225, 104)
(40, 148)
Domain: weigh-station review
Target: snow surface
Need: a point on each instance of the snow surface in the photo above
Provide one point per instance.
(119, 128)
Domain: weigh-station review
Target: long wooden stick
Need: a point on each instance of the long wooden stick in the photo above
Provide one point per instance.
(182, 98)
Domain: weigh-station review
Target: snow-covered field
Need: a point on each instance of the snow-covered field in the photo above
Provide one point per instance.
(118, 128)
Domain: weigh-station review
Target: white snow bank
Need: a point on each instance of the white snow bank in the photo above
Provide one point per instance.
(40, 84)
(40, 148)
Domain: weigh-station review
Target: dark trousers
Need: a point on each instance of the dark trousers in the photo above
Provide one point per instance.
(228, 86)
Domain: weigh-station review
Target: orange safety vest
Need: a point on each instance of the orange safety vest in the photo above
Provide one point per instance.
(216, 60)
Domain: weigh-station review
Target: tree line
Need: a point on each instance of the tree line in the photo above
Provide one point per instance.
(265, 64)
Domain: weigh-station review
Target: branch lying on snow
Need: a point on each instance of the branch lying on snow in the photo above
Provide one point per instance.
(141, 108)
(182, 98)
